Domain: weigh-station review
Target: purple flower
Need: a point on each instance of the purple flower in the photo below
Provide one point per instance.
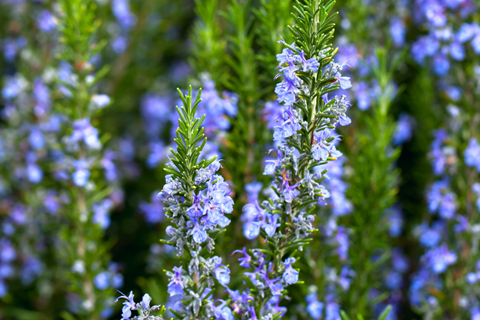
(109, 166)
(81, 174)
(476, 189)
(457, 51)
(222, 273)
(251, 230)
(84, 131)
(341, 240)
(128, 305)
(271, 165)
(288, 88)
(222, 311)
(467, 32)
(12, 87)
(271, 225)
(310, 64)
(272, 113)
(7, 252)
(102, 280)
(441, 65)
(393, 280)
(101, 213)
(176, 284)
(475, 313)
(119, 44)
(314, 307)
(441, 199)
(363, 96)
(395, 221)
(100, 100)
(18, 215)
(439, 259)
(34, 173)
(290, 275)
(332, 309)
(121, 10)
(430, 237)
(46, 22)
(403, 133)
(153, 210)
(472, 154)
(286, 57)
(157, 154)
(348, 53)
(253, 189)
(198, 233)
(245, 260)
(289, 192)
(275, 286)
(397, 31)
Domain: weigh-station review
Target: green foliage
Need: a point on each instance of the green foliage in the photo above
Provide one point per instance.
(373, 189)
(208, 53)
(189, 136)
(382, 316)
(273, 18)
(84, 253)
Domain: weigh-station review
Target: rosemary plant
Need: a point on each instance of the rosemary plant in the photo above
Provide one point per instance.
(304, 140)
(80, 166)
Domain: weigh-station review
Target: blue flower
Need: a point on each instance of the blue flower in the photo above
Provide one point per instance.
(251, 230)
(314, 307)
(441, 65)
(271, 225)
(472, 154)
(153, 210)
(102, 280)
(311, 64)
(198, 233)
(7, 252)
(438, 259)
(245, 260)
(466, 32)
(177, 282)
(81, 174)
(36, 138)
(121, 10)
(84, 131)
(290, 275)
(101, 213)
(289, 192)
(128, 305)
(397, 31)
(100, 100)
(288, 88)
(222, 273)
(271, 165)
(363, 96)
(46, 22)
(12, 87)
(222, 311)
(403, 133)
(332, 309)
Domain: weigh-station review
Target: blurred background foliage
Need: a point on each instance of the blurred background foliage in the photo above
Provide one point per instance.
(155, 46)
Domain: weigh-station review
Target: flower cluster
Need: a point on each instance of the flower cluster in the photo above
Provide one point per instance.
(126, 21)
(445, 41)
(205, 215)
(196, 200)
(304, 139)
(218, 109)
(28, 202)
(143, 308)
